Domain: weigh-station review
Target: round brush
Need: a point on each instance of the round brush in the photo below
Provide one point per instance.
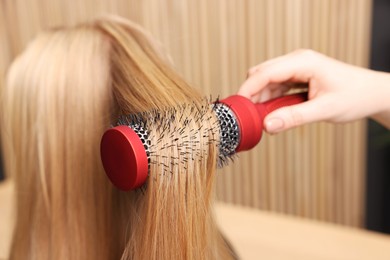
(126, 148)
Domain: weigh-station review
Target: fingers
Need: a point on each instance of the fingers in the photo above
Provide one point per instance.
(296, 67)
(272, 91)
(275, 77)
(293, 116)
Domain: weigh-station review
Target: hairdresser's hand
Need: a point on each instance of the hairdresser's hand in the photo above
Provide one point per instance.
(338, 92)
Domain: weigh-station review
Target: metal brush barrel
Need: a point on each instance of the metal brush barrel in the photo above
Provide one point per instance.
(229, 131)
(144, 137)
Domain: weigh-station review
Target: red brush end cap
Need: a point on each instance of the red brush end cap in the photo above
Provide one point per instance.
(249, 120)
(124, 158)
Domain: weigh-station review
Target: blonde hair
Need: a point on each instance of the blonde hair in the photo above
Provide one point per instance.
(61, 94)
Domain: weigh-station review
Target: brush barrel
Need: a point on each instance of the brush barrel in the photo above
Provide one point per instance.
(124, 149)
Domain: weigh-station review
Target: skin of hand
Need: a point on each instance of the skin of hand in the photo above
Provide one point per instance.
(338, 92)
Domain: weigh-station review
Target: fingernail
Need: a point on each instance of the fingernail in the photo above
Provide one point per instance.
(274, 124)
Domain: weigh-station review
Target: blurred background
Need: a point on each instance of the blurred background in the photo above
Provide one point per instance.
(332, 173)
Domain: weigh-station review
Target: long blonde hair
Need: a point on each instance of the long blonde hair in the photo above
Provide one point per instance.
(61, 94)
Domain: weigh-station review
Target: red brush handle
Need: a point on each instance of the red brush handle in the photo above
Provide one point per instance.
(267, 107)
(250, 116)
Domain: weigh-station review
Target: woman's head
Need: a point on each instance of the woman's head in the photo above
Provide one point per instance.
(62, 92)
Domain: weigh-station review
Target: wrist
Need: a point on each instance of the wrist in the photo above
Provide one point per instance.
(382, 113)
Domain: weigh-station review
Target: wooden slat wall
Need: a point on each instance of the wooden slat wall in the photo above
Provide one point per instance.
(315, 171)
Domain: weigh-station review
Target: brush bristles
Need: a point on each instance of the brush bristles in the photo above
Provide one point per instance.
(187, 131)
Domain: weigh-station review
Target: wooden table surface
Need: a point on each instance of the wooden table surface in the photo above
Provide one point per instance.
(262, 235)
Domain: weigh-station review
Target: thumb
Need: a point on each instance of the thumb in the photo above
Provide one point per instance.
(292, 116)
